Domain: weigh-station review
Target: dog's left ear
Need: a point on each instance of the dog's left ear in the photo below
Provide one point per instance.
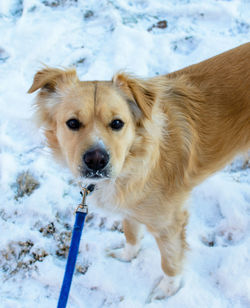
(139, 92)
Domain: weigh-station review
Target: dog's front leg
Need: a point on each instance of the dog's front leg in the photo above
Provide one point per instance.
(133, 234)
(172, 245)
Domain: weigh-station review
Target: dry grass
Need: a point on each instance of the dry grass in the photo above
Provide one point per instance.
(25, 184)
(20, 256)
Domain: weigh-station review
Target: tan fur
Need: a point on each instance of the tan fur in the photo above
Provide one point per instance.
(179, 129)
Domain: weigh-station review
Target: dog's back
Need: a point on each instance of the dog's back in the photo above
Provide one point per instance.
(228, 73)
(223, 122)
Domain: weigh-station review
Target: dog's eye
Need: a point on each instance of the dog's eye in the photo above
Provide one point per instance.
(116, 124)
(73, 124)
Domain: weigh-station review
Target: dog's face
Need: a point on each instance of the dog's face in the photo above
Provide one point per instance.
(91, 125)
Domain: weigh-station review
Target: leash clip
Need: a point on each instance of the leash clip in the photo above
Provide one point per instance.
(82, 207)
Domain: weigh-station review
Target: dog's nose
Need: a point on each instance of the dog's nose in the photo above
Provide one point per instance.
(96, 159)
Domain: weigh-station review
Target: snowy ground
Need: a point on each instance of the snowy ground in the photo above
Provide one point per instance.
(38, 198)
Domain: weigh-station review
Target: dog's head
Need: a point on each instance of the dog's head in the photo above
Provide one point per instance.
(92, 126)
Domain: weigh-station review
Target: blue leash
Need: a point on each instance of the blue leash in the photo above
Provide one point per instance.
(81, 213)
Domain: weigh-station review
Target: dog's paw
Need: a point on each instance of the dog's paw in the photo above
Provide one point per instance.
(125, 254)
(166, 287)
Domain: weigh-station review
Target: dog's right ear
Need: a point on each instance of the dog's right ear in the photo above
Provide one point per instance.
(49, 79)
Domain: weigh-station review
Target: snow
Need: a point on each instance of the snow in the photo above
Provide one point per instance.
(100, 38)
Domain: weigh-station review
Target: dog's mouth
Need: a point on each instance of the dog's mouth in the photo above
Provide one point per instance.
(95, 174)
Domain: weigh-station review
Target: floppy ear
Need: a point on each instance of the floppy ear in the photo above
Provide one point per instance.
(139, 92)
(49, 78)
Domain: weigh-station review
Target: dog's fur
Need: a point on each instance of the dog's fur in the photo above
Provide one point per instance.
(179, 129)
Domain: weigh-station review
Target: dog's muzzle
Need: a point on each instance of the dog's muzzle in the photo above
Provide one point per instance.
(95, 162)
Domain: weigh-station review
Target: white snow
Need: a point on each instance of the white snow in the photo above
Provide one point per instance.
(100, 38)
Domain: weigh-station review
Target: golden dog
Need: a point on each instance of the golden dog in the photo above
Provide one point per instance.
(147, 143)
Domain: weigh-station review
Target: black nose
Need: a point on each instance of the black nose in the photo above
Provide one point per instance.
(96, 159)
